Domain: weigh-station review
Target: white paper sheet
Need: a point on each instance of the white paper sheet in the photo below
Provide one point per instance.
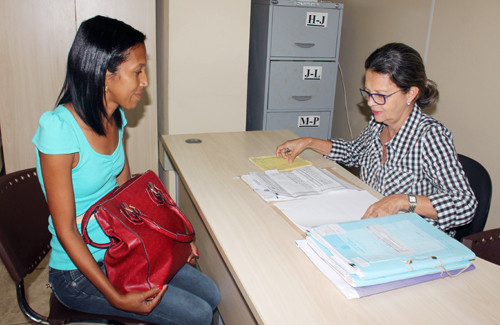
(348, 291)
(334, 207)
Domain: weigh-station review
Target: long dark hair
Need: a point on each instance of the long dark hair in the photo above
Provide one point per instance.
(406, 68)
(101, 44)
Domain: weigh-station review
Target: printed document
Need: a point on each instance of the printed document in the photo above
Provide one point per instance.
(273, 185)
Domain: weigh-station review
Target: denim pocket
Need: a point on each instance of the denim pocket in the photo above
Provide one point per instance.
(59, 284)
(66, 280)
(71, 283)
(76, 279)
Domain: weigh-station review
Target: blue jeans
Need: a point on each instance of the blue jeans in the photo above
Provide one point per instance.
(191, 297)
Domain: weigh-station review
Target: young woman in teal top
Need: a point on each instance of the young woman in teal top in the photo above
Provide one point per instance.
(81, 157)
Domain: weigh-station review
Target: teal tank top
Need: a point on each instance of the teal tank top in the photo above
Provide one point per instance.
(94, 176)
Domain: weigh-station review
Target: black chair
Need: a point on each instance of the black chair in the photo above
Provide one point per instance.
(25, 241)
(480, 182)
(485, 244)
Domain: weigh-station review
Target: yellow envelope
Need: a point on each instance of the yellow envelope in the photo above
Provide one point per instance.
(281, 164)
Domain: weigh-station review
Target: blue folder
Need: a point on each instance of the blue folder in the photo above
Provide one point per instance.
(380, 250)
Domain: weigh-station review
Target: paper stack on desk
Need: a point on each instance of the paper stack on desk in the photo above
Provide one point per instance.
(273, 185)
(380, 254)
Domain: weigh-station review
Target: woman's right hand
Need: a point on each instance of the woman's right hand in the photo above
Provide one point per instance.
(140, 302)
(292, 148)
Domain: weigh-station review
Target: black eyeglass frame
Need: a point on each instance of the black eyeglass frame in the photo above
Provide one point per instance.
(363, 92)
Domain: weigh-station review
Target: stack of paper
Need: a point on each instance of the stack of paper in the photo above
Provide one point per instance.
(387, 250)
(351, 292)
(273, 185)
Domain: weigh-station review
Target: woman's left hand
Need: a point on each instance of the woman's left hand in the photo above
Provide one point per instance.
(386, 206)
(194, 254)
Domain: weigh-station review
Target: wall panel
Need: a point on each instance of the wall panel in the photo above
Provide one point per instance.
(463, 59)
(36, 36)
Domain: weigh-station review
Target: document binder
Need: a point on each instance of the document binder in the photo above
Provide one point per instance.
(380, 250)
(351, 292)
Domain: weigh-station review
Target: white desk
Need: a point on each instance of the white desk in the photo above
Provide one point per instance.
(248, 248)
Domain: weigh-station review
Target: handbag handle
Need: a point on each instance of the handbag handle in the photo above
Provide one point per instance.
(157, 196)
(88, 214)
(135, 215)
(85, 234)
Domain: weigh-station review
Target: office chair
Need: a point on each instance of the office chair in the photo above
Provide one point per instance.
(480, 182)
(485, 244)
(25, 241)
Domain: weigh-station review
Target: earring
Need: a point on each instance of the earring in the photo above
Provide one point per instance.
(106, 89)
(408, 103)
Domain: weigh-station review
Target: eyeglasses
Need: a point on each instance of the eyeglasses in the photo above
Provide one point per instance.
(379, 99)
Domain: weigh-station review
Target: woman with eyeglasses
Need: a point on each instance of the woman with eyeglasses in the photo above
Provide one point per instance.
(403, 153)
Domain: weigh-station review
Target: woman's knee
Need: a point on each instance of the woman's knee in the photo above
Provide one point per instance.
(213, 295)
(192, 280)
(201, 314)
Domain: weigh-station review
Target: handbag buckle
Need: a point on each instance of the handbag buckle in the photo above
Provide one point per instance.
(157, 194)
(131, 212)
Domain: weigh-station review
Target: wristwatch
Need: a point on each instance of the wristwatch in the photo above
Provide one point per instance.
(412, 200)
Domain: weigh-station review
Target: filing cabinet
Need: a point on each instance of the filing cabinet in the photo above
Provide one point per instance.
(294, 47)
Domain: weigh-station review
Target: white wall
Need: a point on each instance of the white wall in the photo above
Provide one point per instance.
(204, 65)
(202, 69)
(33, 70)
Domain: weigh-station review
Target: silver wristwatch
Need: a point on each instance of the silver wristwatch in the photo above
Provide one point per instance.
(412, 200)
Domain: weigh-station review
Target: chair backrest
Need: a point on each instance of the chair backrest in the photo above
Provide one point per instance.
(24, 234)
(480, 182)
(485, 244)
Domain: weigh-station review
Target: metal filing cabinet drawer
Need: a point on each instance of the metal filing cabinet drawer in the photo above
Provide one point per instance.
(293, 62)
(301, 85)
(304, 32)
(304, 124)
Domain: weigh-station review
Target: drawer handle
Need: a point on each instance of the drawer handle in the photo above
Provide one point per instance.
(302, 98)
(305, 45)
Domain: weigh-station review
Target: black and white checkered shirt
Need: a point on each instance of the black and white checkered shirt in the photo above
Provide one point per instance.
(421, 159)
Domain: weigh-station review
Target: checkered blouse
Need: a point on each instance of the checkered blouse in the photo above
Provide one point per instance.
(421, 159)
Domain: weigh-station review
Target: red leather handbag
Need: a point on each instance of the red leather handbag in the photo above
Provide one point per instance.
(149, 235)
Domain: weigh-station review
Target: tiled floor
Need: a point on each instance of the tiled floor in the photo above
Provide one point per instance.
(37, 294)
